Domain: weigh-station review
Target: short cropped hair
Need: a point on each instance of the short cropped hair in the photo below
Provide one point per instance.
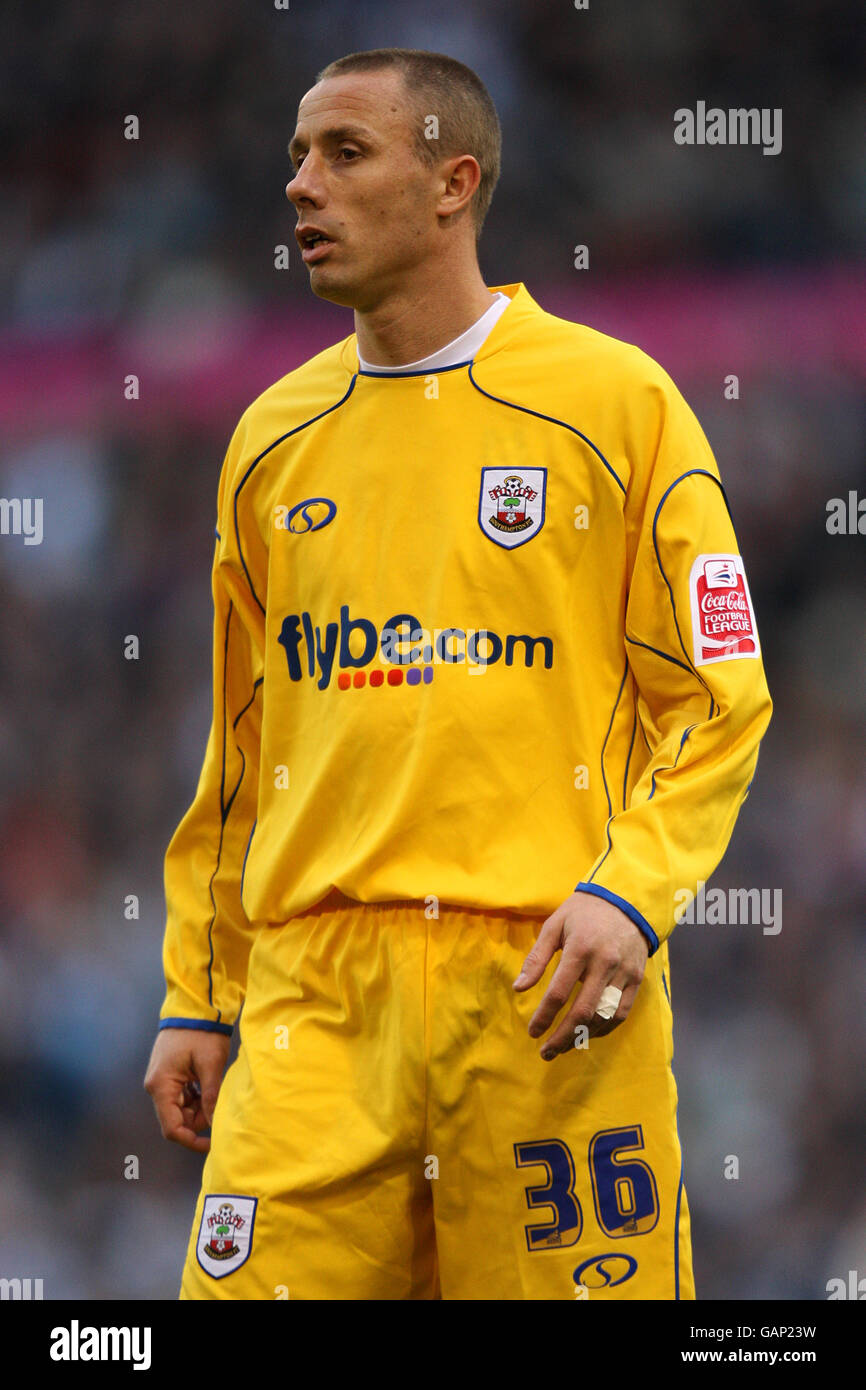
(439, 86)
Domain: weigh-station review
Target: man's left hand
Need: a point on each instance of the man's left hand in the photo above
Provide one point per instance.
(600, 946)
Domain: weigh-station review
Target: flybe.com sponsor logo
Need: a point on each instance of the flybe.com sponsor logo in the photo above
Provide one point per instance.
(401, 648)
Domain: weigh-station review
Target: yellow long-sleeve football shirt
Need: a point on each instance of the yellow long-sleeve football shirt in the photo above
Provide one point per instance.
(483, 634)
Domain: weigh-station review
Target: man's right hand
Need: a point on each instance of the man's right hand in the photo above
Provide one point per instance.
(183, 1079)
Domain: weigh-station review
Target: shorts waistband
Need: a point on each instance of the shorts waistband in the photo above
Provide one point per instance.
(337, 901)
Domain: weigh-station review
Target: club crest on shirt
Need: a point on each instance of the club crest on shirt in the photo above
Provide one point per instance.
(225, 1235)
(511, 505)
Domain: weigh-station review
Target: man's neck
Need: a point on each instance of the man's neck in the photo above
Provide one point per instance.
(413, 323)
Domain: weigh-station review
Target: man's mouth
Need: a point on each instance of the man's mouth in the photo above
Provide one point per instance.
(314, 245)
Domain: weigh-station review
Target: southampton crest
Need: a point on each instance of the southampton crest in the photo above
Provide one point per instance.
(226, 1233)
(511, 505)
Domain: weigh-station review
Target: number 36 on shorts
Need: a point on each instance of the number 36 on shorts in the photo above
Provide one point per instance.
(624, 1190)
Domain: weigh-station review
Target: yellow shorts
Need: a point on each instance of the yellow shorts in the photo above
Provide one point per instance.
(389, 1130)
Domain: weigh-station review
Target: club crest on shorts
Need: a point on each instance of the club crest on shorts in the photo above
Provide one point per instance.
(225, 1235)
(511, 505)
(723, 619)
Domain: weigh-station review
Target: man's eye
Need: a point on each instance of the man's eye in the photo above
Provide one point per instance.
(347, 150)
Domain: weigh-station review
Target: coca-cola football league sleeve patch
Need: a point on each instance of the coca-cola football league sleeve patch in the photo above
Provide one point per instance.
(723, 619)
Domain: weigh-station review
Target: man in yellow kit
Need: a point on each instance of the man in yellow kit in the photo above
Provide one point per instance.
(488, 695)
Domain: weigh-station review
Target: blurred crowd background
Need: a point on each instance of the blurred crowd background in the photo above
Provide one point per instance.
(156, 257)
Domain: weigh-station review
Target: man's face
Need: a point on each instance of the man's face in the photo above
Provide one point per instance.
(359, 182)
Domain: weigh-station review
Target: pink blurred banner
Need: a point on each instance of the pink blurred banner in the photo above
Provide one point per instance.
(206, 371)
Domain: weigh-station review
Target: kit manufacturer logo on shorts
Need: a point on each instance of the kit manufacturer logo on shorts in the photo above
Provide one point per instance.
(511, 505)
(605, 1271)
(723, 619)
(225, 1235)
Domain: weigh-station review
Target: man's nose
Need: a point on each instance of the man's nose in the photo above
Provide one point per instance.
(304, 187)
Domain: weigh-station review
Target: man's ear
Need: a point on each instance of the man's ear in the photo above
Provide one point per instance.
(460, 179)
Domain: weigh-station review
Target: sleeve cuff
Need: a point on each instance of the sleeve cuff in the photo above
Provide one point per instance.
(205, 1025)
(631, 912)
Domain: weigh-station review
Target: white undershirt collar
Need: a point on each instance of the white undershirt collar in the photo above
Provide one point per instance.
(462, 349)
